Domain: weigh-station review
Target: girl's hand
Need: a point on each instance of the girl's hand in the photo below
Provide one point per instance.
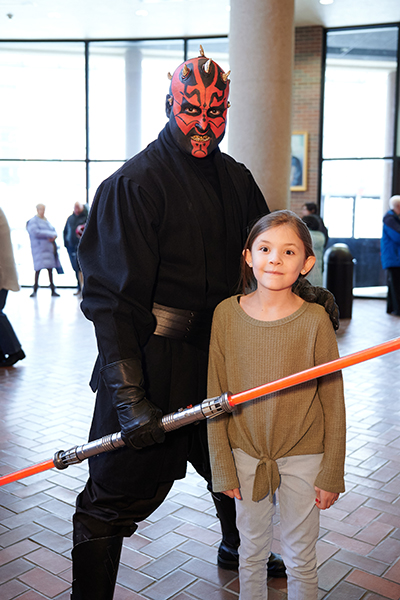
(325, 499)
(233, 493)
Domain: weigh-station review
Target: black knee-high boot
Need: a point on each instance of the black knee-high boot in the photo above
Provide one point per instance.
(228, 557)
(95, 567)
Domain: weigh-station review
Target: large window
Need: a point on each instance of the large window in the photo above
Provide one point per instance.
(42, 140)
(358, 141)
(70, 114)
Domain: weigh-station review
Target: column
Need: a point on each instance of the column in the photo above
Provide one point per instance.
(261, 51)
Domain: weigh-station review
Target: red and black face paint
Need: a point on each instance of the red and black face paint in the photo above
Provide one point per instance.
(199, 91)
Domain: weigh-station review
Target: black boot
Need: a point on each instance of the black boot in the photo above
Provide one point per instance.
(276, 566)
(228, 557)
(95, 567)
(12, 358)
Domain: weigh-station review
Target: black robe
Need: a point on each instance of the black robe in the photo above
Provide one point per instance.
(158, 231)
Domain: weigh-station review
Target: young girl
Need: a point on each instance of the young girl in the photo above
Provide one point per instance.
(292, 441)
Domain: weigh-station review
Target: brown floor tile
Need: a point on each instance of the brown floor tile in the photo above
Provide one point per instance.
(23, 548)
(374, 533)
(387, 551)
(345, 591)
(170, 585)
(393, 573)
(361, 517)
(203, 590)
(375, 584)
(133, 559)
(331, 573)
(44, 582)
(49, 560)
(208, 572)
(206, 536)
(163, 566)
(13, 589)
(347, 543)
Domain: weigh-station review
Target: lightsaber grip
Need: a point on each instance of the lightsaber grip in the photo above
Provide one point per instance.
(63, 458)
(209, 408)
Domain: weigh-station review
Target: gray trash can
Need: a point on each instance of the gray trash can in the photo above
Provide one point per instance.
(338, 277)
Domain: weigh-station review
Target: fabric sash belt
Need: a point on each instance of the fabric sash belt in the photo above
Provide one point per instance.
(186, 325)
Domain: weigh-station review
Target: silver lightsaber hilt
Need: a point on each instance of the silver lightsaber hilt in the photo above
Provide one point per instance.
(63, 458)
(208, 409)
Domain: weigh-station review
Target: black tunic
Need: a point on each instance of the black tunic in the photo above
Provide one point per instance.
(165, 228)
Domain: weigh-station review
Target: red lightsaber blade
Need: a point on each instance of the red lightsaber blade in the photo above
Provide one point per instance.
(318, 371)
(209, 408)
(33, 470)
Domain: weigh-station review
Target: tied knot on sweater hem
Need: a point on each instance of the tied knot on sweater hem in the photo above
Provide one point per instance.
(266, 480)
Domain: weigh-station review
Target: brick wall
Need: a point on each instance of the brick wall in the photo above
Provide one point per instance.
(307, 104)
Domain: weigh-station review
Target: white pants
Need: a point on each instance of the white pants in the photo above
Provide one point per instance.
(299, 521)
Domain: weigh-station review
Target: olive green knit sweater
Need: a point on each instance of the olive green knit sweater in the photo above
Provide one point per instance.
(306, 419)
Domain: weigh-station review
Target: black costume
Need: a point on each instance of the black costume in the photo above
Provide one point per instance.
(165, 229)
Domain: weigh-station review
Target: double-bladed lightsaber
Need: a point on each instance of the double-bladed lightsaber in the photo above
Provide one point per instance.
(209, 408)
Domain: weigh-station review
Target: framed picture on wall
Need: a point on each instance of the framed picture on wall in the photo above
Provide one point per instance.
(298, 173)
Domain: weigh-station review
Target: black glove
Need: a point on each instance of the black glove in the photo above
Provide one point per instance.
(310, 293)
(139, 418)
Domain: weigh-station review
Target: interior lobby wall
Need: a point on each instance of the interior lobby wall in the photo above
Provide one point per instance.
(306, 111)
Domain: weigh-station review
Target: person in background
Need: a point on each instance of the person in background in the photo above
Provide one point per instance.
(318, 240)
(44, 249)
(390, 254)
(310, 208)
(293, 441)
(10, 347)
(71, 239)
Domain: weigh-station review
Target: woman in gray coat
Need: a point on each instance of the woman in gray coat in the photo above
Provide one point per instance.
(10, 347)
(44, 250)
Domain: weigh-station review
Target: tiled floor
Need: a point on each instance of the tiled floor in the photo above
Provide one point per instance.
(46, 405)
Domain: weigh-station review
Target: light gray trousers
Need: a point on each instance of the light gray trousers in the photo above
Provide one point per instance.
(299, 523)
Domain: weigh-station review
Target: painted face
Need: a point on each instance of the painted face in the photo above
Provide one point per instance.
(199, 90)
(277, 257)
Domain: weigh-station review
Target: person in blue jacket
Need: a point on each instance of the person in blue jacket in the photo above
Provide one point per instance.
(390, 254)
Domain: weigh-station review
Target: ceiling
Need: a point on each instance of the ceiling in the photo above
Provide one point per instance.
(116, 19)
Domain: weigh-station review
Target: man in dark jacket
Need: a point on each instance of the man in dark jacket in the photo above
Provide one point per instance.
(161, 249)
(71, 239)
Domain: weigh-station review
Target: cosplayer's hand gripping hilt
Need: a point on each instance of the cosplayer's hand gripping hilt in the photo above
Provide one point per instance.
(209, 408)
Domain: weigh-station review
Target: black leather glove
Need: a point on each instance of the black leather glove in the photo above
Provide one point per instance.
(310, 293)
(139, 418)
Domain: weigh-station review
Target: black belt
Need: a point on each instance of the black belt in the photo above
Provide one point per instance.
(187, 325)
